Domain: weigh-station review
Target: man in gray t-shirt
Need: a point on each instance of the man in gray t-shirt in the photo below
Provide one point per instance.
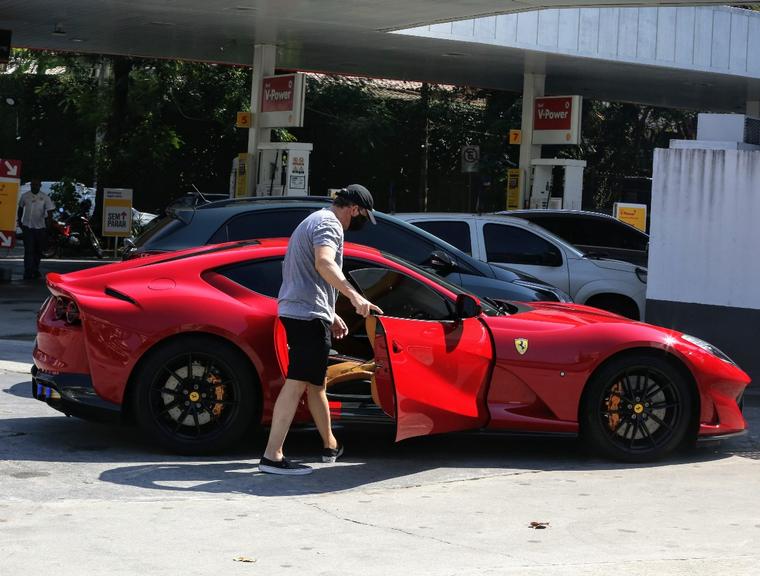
(311, 278)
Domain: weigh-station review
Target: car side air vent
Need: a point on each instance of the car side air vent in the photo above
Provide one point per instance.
(119, 295)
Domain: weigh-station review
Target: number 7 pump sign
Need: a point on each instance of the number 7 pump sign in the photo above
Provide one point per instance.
(10, 180)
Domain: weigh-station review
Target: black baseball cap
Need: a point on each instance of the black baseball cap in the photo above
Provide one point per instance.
(359, 195)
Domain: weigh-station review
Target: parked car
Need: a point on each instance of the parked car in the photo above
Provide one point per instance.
(187, 344)
(275, 217)
(592, 232)
(611, 285)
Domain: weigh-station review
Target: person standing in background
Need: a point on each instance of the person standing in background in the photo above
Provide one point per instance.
(35, 209)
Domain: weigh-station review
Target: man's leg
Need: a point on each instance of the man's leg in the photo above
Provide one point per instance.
(284, 409)
(28, 252)
(320, 412)
(39, 246)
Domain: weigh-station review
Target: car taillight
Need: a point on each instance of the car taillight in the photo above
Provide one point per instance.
(66, 310)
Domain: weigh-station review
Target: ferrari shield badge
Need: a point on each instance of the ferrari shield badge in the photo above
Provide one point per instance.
(522, 345)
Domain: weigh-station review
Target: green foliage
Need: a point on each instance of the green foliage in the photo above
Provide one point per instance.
(65, 196)
(163, 127)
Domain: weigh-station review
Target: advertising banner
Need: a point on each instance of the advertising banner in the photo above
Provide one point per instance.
(241, 175)
(117, 212)
(513, 189)
(282, 101)
(557, 120)
(10, 181)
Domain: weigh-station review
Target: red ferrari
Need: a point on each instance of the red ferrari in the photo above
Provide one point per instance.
(188, 346)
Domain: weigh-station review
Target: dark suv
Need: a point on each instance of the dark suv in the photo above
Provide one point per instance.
(593, 233)
(276, 217)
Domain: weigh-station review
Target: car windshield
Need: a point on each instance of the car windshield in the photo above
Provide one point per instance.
(490, 309)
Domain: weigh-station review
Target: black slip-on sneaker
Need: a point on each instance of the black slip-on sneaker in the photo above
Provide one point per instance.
(284, 467)
(330, 455)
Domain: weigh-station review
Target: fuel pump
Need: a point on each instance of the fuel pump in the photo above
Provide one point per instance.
(283, 169)
(557, 183)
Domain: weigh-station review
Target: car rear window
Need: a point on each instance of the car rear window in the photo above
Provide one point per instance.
(261, 224)
(158, 229)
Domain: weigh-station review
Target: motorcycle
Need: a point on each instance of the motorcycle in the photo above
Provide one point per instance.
(71, 235)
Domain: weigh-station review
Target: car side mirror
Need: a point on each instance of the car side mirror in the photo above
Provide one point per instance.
(440, 261)
(467, 306)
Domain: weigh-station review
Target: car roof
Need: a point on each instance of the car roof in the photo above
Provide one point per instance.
(539, 213)
(493, 217)
(248, 202)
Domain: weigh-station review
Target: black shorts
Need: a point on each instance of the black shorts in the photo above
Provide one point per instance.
(309, 344)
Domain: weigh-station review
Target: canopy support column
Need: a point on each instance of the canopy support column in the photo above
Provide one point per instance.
(533, 87)
(264, 56)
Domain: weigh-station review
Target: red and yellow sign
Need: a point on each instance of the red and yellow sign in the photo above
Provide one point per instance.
(557, 120)
(515, 136)
(277, 93)
(10, 180)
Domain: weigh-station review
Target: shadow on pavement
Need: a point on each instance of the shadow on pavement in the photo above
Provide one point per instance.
(371, 456)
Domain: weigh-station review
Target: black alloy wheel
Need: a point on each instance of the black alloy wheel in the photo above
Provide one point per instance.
(638, 408)
(195, 395)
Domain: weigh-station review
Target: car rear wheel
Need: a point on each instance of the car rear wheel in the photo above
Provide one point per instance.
(195, 395)
(637, 408)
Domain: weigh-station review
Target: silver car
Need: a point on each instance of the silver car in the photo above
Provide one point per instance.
(612, 285)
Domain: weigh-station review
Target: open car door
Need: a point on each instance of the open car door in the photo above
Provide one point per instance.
(432, 376)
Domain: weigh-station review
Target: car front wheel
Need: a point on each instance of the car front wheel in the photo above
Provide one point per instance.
(195, 395)
(638, 408)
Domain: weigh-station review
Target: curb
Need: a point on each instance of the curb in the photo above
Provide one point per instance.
(21, 367)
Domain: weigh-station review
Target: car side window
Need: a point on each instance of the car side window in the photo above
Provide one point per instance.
(260, 224)
(565, 228)
(393, 239)
(454, 232)
(262, 276)
(401, 296)
(514, 245)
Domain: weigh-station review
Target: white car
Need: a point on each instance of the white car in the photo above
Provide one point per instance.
(612, 285)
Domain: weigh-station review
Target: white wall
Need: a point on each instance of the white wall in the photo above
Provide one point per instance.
(705, 227)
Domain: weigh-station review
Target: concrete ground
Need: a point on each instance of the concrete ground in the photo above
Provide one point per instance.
(80, 498)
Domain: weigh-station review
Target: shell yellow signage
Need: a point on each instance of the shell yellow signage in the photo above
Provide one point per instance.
(633, 214)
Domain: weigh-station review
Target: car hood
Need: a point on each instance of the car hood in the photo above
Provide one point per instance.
(611, 264)
(510, 275)
(569, 315)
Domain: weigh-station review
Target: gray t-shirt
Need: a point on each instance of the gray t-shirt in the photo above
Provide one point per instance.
(304, 294)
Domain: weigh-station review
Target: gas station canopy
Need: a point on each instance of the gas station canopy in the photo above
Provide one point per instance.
(356, 37)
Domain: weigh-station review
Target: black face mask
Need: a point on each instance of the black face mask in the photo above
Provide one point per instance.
(357, 223)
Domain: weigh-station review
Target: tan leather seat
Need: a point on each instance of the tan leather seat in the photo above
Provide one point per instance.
(355, 369)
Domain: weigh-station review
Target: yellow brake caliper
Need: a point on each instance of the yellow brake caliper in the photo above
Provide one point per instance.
(219, 391)
(613, 405)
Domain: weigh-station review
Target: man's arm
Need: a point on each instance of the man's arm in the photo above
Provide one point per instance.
(324, 260)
